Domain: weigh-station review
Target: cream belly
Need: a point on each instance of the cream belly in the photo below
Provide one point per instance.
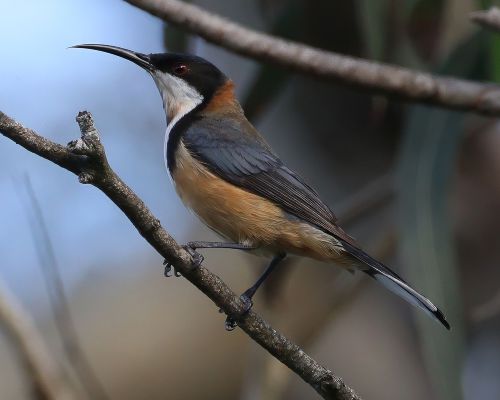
(244, 217)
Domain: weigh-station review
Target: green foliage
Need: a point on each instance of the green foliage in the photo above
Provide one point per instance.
(268, 81)
(426, 166)
(427, 163)
(374, 29)
(174, 39)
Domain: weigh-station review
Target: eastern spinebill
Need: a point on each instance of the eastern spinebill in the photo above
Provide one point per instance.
(227, 173)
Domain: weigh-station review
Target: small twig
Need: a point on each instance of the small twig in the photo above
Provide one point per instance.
(86, 158)
(376, 77)
(58, 300)
(488, 19)
(47, 379)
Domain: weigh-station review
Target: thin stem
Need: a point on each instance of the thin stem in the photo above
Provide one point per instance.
(48, 381)
(375, 77)
(58, 300)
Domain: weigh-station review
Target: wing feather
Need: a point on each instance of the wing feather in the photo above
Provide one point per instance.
(248, 162)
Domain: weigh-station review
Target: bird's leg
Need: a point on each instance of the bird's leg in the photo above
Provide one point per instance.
(248, 294)
(191, 247)
(219, 245)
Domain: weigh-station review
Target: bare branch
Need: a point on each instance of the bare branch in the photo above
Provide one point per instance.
(488, 19)
(376, 77)
(46, 374)
(86, 158)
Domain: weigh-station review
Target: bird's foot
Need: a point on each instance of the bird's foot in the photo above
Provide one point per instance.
(197, 260)
(230, 323)
(168, 269)
(197, 257)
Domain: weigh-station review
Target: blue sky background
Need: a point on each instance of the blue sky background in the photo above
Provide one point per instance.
(43, 85)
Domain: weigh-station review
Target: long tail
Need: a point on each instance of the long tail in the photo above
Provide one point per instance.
(395, 283)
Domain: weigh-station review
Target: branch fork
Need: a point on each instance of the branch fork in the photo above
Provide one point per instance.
(92, 156)
(488, 19)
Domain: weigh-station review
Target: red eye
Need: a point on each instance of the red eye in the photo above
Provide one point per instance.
(180, 69)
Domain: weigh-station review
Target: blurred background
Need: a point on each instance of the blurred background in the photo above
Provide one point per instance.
(417, 186)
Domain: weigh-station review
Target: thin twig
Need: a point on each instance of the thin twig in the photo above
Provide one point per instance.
(58, 300)
(86, 158)
(48, 381)
(488, 19)
(376, 77)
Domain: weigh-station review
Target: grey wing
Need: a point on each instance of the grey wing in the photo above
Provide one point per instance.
(248, 162)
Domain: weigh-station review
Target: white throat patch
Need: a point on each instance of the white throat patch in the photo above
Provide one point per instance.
(178, 97)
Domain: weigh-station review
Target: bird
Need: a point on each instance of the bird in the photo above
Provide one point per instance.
(226, 172)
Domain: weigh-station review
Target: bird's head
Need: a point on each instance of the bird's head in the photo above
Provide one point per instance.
(184, 81)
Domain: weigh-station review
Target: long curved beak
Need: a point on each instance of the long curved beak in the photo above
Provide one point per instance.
(142, 60)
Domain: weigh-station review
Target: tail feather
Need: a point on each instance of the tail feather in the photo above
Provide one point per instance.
(395, 283)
